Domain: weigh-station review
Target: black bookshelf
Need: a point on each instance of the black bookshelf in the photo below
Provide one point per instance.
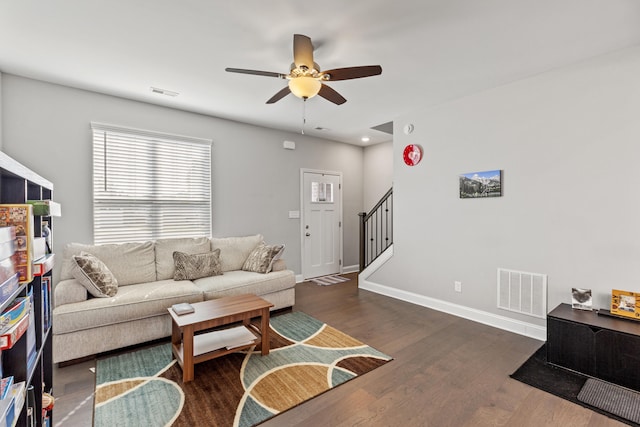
(17, 185)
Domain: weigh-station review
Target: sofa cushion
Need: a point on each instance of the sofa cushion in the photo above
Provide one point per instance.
(261, 259)
(94, 275)
(166, 247)
(132, 302)
(129, 262)
(235, 250)
(195, 266)
(240, 282)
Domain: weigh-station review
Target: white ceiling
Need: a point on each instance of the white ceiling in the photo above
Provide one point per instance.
(431, 51)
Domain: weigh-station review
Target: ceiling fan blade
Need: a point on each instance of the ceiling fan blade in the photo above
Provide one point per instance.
(278, 96)
(353, 72)
(331, 95)
(255, 72)
(302, 51)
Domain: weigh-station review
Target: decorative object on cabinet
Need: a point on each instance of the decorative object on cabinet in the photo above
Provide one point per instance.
(625, 304)
(581, 299)
(481, 184)
(29, 357)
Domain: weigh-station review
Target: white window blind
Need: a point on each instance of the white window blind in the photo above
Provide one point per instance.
(148, 186)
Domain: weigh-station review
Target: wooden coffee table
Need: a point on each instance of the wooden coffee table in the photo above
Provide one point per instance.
(212, 314)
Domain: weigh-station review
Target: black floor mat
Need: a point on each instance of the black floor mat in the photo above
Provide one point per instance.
(557, 381)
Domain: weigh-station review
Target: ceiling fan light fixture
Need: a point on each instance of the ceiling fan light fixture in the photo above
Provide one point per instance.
(304, 87)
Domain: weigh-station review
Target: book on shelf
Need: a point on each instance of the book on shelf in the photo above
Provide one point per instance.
(14, 313)
(11, 406)
(182, 308)
(8, 287)
(31, 336)
(11, 337)
(46, 303)
(5, 386)
(20, 216)
(7, 411)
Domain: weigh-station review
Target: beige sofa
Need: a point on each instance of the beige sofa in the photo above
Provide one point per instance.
(84, 325)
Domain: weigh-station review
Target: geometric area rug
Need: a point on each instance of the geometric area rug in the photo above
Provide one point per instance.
(571, 386)
(307, 358)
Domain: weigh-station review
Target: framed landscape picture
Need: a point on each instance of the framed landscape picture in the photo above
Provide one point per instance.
(481, 184)
(625, 303)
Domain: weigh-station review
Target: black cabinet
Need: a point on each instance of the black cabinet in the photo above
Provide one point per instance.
(600, 346)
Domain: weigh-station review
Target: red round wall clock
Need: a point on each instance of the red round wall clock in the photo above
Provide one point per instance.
(412, 154)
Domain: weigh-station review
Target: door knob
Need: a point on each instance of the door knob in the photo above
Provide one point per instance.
(308, 234)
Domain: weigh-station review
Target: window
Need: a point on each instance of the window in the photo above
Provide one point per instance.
(148, 186)
(321, 192)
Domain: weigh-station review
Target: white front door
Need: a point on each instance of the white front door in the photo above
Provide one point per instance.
(321, 224)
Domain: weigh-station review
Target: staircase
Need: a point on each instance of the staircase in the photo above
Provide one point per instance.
(376, 230)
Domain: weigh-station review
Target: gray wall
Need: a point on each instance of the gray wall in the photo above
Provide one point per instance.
(255, 181)
(568, 142)
(378, 173)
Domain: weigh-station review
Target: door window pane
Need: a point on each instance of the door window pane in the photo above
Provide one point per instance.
(321, 192)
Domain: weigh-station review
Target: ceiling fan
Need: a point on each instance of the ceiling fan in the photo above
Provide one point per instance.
(306, 79)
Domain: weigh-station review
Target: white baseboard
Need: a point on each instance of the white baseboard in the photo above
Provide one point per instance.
(501, 322)
(350, 269)
(299, 278)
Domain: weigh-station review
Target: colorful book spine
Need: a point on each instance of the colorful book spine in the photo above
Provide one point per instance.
(5, 386)
(16, 400)
(46, 303)
(14, 313)
(11, 337)
(31, 336)
(8, 287)
(20, 216)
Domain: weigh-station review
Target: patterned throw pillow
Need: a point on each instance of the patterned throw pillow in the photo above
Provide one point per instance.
(94, 275)
(261, 259)
(191, 267)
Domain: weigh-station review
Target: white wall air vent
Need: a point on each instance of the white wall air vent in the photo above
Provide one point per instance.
(521, 292)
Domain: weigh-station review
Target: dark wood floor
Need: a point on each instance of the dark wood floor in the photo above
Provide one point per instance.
(446, 371)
